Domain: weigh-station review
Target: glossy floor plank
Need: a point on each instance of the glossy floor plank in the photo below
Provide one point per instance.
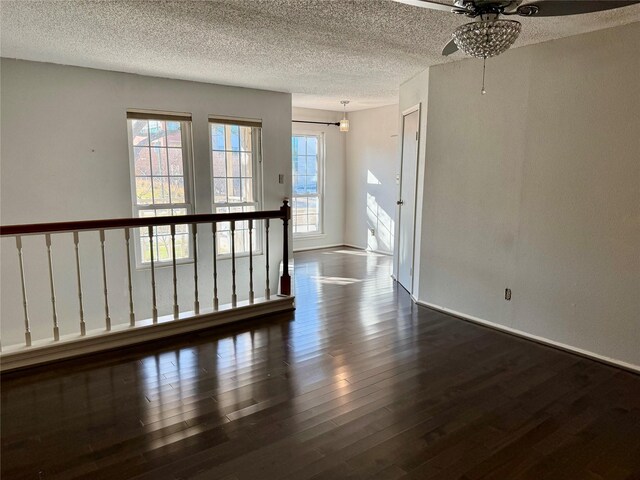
(358, 383)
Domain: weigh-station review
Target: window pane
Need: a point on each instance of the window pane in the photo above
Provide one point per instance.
(312, 184)
(217, 137)
(299, 146)
(159, 161)
(235, 137)
(245, 139)
(162, 229)
(219, 164)
(233, 164)
(312, 227)
(140, 132)
(157, 133)
(182, 245)
(142, 160)
(312, 146)
(177, 190)
(300, 165)
(298, 184)
(313, 205)
(246, 164)
(224, 242)
(220, 190)
(175, 161)
(312, 165)
(233, 186)
(144, 195)
(299, 206)
(160, 190)
(145, 248)
(163, 247)
(247, 190)
(300, 219)
(174, 135)
(241, 245)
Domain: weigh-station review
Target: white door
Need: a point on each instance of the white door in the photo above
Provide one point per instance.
(407, 200)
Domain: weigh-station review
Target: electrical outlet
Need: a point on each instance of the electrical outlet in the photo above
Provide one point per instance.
(281, 179)
(507, 294)
(373, 232)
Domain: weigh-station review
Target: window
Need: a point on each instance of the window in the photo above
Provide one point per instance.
(236, 168)
(306, 207)
(160, 152)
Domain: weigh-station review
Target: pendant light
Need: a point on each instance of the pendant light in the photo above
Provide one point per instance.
(344, 123)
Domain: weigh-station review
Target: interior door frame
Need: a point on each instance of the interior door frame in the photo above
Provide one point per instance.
(417, 107)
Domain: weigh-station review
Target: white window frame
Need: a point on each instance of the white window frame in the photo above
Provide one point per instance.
(321, 176)
(189, 204)
(258, 190)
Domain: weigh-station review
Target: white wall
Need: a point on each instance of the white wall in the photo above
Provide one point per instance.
(372, 186)
(334, 181)
(65, 156)
(536, 186)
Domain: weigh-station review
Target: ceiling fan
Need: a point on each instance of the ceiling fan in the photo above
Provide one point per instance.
(489, 35)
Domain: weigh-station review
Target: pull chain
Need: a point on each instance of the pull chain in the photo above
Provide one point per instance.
(484, 68)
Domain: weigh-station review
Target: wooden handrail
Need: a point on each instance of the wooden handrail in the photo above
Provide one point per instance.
(47, 229)
(106, 224)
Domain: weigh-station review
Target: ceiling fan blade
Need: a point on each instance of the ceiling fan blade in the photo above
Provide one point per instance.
(450, 48)
(427, 4)
(552, 8)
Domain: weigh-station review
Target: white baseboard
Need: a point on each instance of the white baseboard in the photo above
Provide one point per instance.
(306, 249)
(122, 335)
(379, 252)
(338, 245)
(546, 341)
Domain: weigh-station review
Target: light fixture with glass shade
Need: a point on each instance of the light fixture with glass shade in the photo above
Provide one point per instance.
(487, 37)
(344, 123)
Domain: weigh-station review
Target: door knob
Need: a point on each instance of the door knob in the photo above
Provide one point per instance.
(400, 202)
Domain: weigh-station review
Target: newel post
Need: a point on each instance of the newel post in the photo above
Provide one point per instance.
(285, 279)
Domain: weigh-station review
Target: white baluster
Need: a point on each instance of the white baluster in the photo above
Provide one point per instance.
(153, 277)
(234, 297)
(215, 266)
(176, 309)
(196, 303)
(27, 328)
(132, 316)
(267, 290)
(251, 261)
(76, 243)
(107, 319)
(56, 330)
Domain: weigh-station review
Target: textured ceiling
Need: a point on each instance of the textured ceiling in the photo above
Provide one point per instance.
(319, 50)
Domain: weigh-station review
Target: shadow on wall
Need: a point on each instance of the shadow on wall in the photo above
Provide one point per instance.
(378, 220)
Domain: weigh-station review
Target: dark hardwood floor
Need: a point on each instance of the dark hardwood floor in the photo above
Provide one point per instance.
(360, 383)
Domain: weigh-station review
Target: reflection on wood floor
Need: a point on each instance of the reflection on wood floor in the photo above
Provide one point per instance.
(360, 384)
